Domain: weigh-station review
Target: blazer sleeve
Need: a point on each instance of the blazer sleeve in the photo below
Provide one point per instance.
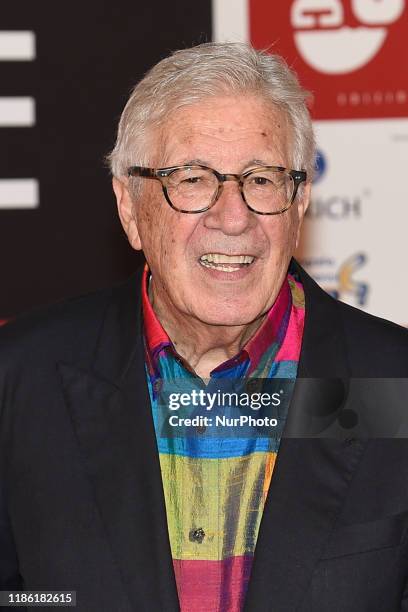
(404, 600)
(10, 578)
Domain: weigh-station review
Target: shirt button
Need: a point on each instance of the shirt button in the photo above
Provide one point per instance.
(197, 535)
(201, 429)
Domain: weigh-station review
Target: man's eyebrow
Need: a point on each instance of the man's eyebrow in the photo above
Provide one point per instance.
(252, 162)
(196, 162)
(258, 162)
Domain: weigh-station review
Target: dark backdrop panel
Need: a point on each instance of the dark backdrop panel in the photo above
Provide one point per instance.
(89, 54)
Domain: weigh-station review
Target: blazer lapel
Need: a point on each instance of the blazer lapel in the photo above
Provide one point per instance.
(311, 476)
(309, 485)
(110, 410)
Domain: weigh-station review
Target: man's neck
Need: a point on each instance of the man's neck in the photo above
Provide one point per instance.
(204, 347)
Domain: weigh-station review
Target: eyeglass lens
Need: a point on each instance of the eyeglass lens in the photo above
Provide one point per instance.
(264, 190)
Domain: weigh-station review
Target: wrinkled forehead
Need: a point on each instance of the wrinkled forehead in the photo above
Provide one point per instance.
(223, 127)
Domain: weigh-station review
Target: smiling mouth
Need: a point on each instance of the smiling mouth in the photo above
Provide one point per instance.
(226, 263)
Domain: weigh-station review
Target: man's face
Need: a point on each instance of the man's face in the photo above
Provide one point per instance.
(231, 135)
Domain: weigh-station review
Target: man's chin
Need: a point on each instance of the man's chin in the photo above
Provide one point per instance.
(228, 319)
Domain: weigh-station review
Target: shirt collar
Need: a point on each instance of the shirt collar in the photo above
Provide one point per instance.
(156, 338)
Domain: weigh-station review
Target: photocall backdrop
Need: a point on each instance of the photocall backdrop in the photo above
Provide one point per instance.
(353, 56)
(66, 71)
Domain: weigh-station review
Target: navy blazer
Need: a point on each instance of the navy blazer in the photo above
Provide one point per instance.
(81, 497)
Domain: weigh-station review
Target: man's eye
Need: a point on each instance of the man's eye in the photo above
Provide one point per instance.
(260, 180)
(191, 180)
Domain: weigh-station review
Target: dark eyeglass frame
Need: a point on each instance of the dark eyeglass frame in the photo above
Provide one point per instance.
(163, 174)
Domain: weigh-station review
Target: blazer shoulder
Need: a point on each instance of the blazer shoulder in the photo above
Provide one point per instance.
(364, 324)
(65, 329)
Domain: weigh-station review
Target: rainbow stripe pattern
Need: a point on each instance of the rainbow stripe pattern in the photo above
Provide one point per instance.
(215, 487)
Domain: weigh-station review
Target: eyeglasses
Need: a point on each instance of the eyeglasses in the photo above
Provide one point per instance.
(266, 190)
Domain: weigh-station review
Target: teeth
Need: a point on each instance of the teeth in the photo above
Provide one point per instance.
(218, 258)
(225, 263)
(219, 267)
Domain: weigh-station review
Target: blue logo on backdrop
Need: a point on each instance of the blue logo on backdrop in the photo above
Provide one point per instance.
(338, 278)
(320, 166)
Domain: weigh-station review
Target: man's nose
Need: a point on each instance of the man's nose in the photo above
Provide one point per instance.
(230, 214)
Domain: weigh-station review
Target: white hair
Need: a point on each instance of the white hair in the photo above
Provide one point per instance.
(208, 70)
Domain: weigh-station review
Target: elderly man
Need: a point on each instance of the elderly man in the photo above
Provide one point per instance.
(212, 170)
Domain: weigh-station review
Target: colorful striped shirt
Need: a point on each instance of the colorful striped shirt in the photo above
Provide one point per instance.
(215, 485)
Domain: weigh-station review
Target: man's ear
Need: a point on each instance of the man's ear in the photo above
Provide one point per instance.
(302, 208)
(126, 210)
